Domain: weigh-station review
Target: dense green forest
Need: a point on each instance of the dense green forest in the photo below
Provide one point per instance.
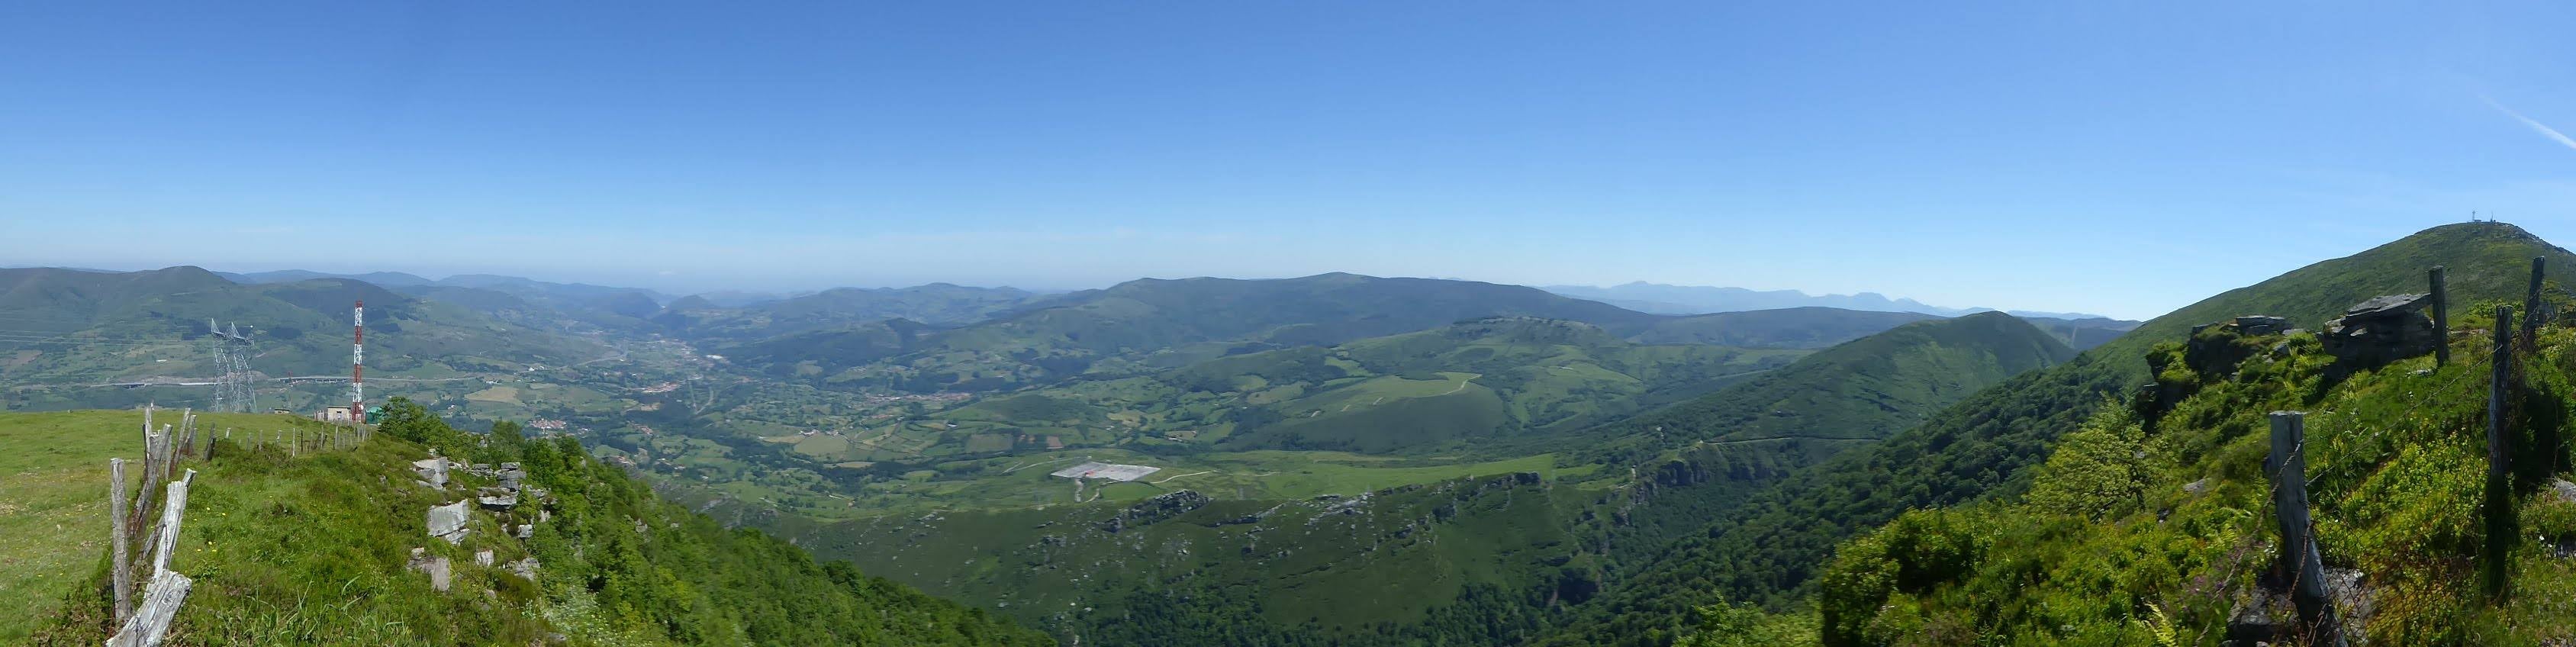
(1462, 557)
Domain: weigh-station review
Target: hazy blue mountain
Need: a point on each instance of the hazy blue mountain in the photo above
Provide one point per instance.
(1806, 327)
(1692, 299)
(380, 279)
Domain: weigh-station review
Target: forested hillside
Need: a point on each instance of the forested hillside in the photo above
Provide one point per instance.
(1271, 547)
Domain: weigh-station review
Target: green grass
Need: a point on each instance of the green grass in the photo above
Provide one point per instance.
(311, 550)
(2108, 546)
(1772, 547)
(53, 497)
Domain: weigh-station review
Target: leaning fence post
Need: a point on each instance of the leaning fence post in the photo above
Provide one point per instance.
(2441, 318)
(150, 624)
(2531, 305)
(2289, 468)
(120, 566)
(2498, 508)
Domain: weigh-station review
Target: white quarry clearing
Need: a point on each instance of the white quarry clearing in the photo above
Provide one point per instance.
(1110, 471)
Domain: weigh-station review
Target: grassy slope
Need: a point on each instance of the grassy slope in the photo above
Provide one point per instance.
(1773, 548)
(2109, 547)
(312, 550)
(53, 497)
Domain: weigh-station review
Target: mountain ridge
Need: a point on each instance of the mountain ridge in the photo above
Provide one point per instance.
(1661, 298)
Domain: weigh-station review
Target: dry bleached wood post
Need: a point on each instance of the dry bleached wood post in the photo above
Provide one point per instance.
(2289, 469)
(151, 622)
(2441, 318)
(119, 565)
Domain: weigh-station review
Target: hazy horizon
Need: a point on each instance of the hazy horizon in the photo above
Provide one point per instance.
(2116, 160)
(646, 283)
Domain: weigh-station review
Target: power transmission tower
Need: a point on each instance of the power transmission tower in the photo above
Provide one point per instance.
(232, 368)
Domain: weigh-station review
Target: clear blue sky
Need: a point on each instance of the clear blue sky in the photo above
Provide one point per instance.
(2122, 158)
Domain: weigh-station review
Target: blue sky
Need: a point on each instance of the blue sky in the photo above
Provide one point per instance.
(2122, 158)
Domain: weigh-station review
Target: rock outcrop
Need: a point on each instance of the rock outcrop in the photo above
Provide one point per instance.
(2378, 331)
(439, 569)
(432, 471)
(448, 521)
(1156, 509)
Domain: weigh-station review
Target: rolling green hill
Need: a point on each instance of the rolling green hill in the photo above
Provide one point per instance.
(69, 331)
(1861, 391)
(1147, 325)
(1773, 547)
(313, 549)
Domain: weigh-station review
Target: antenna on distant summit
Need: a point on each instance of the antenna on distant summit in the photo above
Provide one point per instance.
(358, 363)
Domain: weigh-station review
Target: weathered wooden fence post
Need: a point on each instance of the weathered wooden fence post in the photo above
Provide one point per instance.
(150, 623)
(119, 567)
(2499, 497)
(2531, 306)
(2441, 318)
(2289, 468)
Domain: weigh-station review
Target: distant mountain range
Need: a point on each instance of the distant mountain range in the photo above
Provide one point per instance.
(1694, 299)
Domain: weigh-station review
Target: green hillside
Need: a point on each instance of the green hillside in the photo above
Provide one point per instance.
(1147, 324)
(1773, 547)
(53, 498)
(1862, 391)
(71, 332)
(2129, 536)
(313, 549)
(1310, 547)
(1142, 326)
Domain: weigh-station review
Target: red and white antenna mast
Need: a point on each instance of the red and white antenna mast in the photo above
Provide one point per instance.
(358, 364)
